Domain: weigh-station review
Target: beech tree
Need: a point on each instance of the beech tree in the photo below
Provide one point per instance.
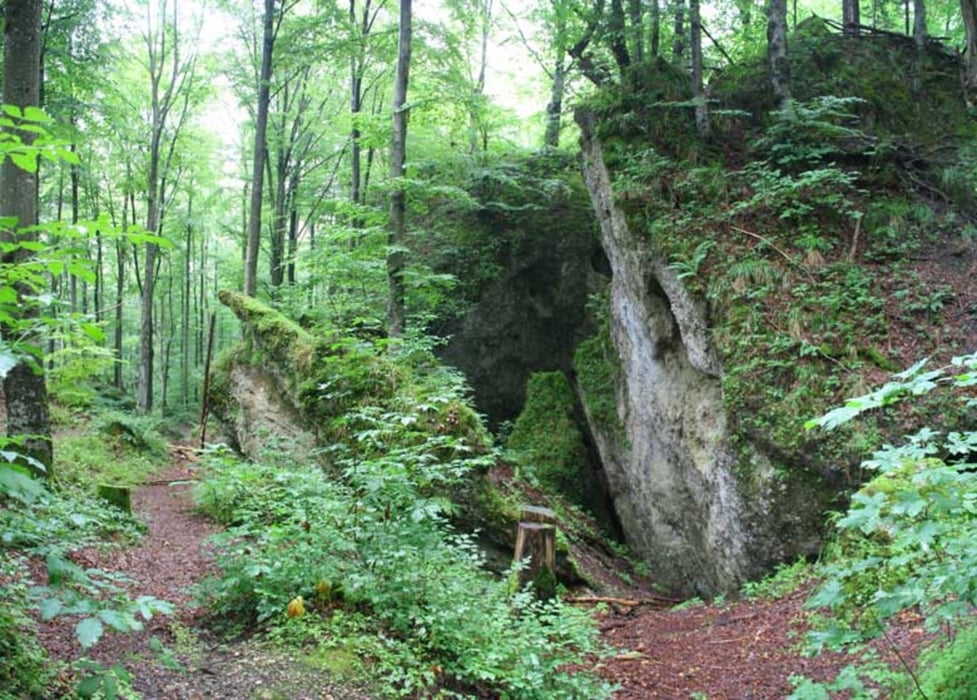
(396, 315)
(253, 241)
(777, 50)
(171, 76)
(24, 387)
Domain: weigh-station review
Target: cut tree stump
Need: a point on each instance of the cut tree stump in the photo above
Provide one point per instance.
(118, 496)
(536, 542)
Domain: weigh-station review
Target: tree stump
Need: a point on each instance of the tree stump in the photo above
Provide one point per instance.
(118, 496)
(536, 542)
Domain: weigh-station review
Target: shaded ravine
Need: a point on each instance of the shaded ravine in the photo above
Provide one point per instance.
(167, 563)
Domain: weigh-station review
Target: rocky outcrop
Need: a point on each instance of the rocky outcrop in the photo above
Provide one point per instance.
(685, 502)
(531, 317)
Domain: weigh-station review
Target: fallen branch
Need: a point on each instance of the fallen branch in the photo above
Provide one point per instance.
(626, 602)
(772, 245)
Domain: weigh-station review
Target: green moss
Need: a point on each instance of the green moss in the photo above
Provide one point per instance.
(597, 366)
(547, 441)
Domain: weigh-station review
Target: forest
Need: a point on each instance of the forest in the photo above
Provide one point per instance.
(524, 349)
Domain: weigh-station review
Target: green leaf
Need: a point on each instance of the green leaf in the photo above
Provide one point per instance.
(89, 686)
(36, 114)
(60, 570)
(50, 607)
(89, 631)
(117, 621)
(24, 161)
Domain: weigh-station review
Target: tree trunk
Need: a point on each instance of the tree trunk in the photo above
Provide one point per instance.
(777, 51)
(396, 314)
(260, 145)
(635, 14)
(678, 40)
(969, 10)
(185, 307)
(618, 32)
(919, 23)
(554, 110)
(654, 31)
(850, 17)
(698, 91)
(24, 388)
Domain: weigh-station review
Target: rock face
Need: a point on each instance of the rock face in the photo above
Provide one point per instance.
(528, 320)
(670, 464)
(261, 419)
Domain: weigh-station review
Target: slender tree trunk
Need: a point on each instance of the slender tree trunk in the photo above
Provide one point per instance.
(185, 306)
(919, 23)
(356, 67)
(850, 17)
(678, 40)
(293, 244)
(618, 38)
(698, 91)
(260, 148)
(554, 110)
(655, 28)
(24, 388)
(777, 51)
(969, 10)
(396, 315)
(636, 16)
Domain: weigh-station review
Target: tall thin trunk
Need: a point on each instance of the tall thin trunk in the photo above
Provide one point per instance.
(554, 110)
(698, 91)
(654, 30)
(636, 16)
(678, 40)
(24, 388)
(919, 23)
(260, 148)
(777, 51)
(850, 17)
(396, 314)
(185, 306)
(293, 244)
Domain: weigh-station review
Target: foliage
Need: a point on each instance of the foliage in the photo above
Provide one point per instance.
(785, 579)
(947, 670)
(49, 525)
(907, 538)
(112, 448)
(374, 542)
(24, 671)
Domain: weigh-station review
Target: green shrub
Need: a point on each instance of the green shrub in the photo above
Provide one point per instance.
(378, 542)
(23, 672)
(947, 671)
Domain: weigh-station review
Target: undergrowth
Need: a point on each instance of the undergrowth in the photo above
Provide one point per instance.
(362, 552)
(371, 564)
(905, 543)
(46, 525)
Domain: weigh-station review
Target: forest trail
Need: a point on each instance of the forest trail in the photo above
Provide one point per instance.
(167, 563)
(739, 651)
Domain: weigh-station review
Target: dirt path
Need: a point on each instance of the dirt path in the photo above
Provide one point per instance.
(746, 650)
(743, 651)
(167, 563)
